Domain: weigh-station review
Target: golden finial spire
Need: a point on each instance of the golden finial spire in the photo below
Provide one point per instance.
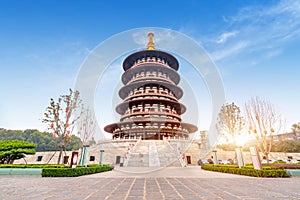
(150, 45)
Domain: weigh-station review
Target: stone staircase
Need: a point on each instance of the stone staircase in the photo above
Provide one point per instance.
(139, 157)
(154, 160)
(167, 156)
(153, 153)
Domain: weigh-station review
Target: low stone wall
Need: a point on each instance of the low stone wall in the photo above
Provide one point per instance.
(118, 148)
(48, 157)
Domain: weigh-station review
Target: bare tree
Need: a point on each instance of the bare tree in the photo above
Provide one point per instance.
(61, 117)
(263, 122)
(230, 122)
(86, 126)
(86, 130)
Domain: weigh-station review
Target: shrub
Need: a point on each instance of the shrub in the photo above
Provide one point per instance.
(268, 171)
(73, 172)
(11, 150)
(279, 162)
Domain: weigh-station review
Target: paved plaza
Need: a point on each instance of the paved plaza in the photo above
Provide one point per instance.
(145, 183)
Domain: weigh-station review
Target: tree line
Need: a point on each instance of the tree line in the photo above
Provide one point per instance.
(44, 140)
(286, 146)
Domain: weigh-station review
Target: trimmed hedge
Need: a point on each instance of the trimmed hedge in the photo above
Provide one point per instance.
(268, 171)
(73, 172)
(279, 162)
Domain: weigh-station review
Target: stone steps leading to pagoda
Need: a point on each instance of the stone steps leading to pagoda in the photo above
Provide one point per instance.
(153, 153)
(140, 156)
(167, 156)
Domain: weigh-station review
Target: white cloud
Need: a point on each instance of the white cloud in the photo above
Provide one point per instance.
(225, 19)
(263, 27)
(229, 51)
(223, 38)
(273, 53)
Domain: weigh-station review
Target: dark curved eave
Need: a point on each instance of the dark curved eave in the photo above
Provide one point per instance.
(190, 127)
(131, 59)
(126, 76)
(121, 108)
(177, 91)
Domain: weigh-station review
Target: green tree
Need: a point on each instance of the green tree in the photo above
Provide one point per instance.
(11, 150)
(74, 143)
(288, 146)
(296, 127)
(61, 117)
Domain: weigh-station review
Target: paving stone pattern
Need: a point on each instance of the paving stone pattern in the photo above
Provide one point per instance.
(188, 183)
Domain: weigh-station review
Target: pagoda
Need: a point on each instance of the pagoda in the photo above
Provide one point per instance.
(150, 109)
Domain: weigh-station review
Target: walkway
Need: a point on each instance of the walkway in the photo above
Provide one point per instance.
(165, 183)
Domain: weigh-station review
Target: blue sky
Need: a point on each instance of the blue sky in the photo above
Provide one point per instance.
(254, 44)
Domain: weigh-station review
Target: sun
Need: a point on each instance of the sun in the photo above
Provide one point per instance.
(241, 140)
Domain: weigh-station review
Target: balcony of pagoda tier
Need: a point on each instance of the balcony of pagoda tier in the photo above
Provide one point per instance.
(150, 78)
(150, 114)
(152, 60)
(122, 107)
(156, 56)
(150, 136)
(151, 94)
(148, 131)
(150, 70)
(125, 90)
(155, 126)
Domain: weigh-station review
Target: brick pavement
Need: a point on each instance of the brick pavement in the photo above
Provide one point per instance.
(166, 183)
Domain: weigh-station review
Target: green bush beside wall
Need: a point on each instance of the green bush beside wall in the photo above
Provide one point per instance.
(248, 170)
(73, 172)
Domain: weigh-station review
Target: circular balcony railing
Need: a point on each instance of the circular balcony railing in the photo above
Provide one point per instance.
(145, 114)
(150, 93)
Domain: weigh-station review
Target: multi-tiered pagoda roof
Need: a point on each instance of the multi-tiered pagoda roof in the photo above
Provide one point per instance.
(150, 107)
